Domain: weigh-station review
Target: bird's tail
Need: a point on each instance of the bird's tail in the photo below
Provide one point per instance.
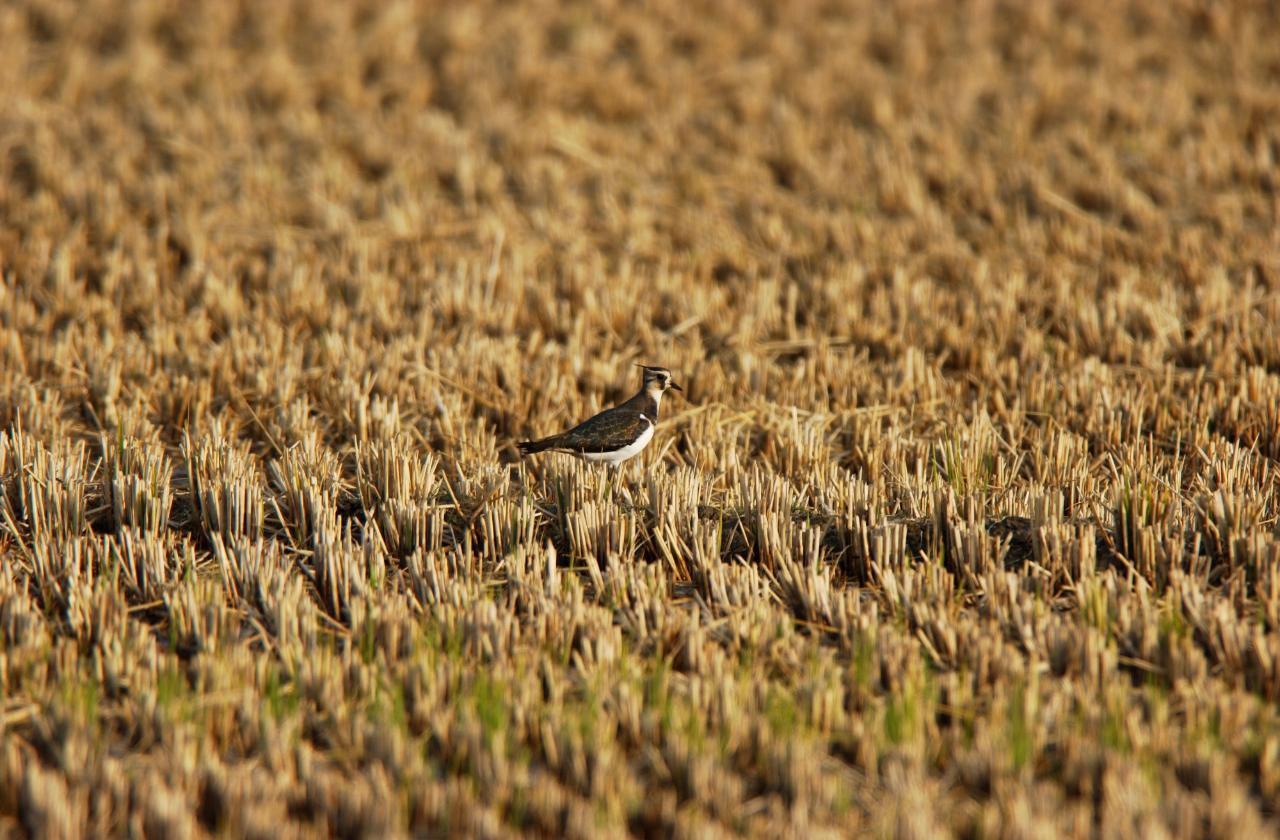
(529, 447)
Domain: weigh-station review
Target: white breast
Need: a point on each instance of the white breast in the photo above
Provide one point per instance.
(620, 455)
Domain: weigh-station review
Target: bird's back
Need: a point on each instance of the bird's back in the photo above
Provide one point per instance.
(610, 430)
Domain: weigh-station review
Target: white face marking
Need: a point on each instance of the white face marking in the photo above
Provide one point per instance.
(657, 382)
(612, 458)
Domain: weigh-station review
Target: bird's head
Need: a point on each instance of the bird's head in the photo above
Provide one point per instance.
(657, 380)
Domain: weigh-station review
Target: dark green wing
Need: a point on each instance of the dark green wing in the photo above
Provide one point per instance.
(606, 432)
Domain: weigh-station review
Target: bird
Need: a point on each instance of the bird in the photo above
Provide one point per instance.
(617, 433)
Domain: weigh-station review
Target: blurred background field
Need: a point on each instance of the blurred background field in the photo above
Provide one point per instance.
(967, 526)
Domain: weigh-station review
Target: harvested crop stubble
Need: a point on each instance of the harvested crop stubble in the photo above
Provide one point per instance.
(968, 524)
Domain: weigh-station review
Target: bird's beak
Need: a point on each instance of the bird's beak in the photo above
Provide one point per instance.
(676, 387)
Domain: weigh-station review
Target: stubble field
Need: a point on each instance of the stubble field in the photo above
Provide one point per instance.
(967, 525)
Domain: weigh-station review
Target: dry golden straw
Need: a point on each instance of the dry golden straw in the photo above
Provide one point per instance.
(966, 525)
